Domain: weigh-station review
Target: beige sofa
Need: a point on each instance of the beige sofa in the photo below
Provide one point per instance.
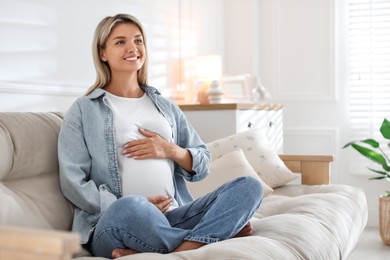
(312, 220)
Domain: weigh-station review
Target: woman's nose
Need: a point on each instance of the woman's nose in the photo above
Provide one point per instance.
(131, 47)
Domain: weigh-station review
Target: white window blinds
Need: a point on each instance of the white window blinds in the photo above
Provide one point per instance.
(368, 65)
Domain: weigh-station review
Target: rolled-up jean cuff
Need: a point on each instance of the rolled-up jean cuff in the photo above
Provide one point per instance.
(203, 240)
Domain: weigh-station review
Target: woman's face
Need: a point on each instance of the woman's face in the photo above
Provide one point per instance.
(125, 50)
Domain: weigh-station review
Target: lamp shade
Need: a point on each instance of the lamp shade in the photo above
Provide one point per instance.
(208, 67)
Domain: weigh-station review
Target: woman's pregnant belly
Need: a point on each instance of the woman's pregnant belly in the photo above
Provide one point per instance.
(148, 177)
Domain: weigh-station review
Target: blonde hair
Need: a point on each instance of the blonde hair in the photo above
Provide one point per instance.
(102, 32)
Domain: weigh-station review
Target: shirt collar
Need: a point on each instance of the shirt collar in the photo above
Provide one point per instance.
(98, 92)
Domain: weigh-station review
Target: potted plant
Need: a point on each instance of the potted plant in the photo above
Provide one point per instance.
(371, 149)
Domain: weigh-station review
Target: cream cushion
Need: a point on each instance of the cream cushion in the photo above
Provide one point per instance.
(226, 168)
(29, 187)
(257, 151)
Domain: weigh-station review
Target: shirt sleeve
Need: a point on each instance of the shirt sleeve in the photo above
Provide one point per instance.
(189, 139)
(74, 167)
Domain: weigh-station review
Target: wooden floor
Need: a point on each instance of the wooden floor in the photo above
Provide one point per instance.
(370, 247)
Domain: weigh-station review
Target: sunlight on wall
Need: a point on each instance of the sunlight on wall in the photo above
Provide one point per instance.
(46, 47)
(171, 43)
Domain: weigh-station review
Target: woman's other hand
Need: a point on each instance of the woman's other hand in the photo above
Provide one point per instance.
(162, 202)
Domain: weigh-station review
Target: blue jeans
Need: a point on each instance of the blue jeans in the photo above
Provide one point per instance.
(133, 222)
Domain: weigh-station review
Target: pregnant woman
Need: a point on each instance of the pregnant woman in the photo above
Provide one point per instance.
(125, 155)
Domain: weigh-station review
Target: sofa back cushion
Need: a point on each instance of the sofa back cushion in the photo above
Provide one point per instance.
(224, 169)
(30, 194)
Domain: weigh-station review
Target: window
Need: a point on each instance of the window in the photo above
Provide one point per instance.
(368, 69)
(368, 64)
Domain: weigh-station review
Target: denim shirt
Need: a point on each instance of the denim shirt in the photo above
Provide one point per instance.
(88, 166)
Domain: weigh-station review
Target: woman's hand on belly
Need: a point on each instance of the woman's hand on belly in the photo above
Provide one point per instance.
(162, 202)
(151, 147)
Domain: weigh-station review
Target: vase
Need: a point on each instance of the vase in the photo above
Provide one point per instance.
(384, 218)
(214, 93)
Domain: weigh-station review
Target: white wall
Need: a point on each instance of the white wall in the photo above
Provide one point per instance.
(302, 64)
(242, 41)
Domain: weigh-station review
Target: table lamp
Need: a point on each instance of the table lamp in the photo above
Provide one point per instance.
(209, 71)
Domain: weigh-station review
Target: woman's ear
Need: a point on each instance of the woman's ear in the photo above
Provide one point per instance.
(102, 55)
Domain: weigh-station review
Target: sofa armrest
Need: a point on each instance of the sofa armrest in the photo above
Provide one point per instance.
(26, 243)
(315, 169)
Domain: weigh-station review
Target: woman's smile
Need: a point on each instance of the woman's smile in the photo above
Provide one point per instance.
(133, 58)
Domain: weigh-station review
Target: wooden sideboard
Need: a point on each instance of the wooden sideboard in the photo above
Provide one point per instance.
(213, 121)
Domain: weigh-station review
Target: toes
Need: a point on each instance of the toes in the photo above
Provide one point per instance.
(118, 252)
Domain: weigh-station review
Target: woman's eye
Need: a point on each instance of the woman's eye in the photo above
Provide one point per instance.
(139, 41)
(120, 42)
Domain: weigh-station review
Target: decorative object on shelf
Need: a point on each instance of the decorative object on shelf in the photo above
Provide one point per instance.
(209, 71)
(244, 89)
(371, 149)
(214, 93)
(260, 95)
(202, 97)
(237, 88)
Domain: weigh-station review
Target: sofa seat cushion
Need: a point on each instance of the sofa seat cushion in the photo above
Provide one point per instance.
(295, 222)
(29, 187)
(308, 217)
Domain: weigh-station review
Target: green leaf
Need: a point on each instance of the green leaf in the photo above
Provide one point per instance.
(377, 155)
(385, 128)
(377, 178)
(372, 155)
(371, 142)
(379, 172)
(350, 143)
(384, 175)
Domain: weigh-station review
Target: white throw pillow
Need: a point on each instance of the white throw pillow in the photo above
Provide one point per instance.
(224, 169)
(257, 151)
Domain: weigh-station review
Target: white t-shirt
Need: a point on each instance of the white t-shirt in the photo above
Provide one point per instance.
(148, 177)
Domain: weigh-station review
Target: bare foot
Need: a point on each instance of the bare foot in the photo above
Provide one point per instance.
(118, 252)
(247, 230)
(188, 245)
